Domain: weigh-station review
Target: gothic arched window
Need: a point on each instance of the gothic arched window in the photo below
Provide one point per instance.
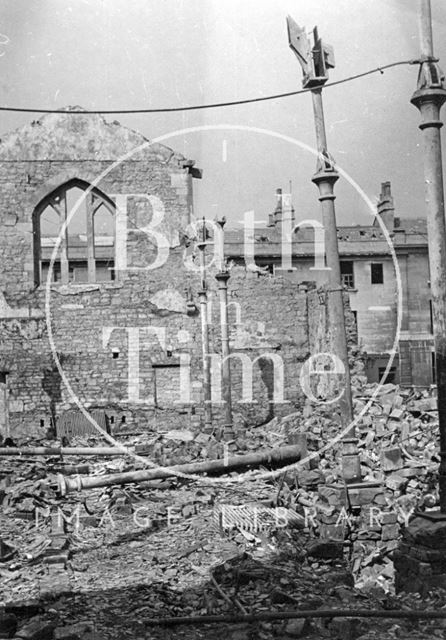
(84, 220)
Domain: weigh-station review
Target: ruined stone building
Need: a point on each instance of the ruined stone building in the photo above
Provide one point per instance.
(371, 279)
(99, 290)
(99, 311)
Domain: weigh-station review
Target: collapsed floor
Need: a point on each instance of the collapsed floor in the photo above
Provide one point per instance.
(124, 555)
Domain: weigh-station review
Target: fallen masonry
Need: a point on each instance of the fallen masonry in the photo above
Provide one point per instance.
(420, 560)
(172, 547)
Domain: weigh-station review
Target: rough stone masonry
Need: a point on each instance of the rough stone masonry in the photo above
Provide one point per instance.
(109, 356)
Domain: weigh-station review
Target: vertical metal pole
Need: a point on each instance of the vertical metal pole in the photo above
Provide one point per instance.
(429, 98)
(203, 297)
(315, 61)
(325, 178)
(425, 26)
(222, 278)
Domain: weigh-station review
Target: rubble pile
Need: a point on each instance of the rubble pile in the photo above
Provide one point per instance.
(398, 447)
(155, 552)
(298, 538)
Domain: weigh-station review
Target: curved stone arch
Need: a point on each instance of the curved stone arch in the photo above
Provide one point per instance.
(42, 197)
(57, 182)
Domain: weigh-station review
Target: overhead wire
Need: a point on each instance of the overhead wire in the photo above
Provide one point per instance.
(213, 105)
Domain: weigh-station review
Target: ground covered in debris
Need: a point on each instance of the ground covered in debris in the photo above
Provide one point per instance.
(121, 557)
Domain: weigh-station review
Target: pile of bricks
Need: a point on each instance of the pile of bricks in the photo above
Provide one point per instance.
(420, 560)
(397, 444)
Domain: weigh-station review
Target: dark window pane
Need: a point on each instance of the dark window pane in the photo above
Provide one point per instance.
(55, 277)
(347, 276)
(377, 275)
(390, 378)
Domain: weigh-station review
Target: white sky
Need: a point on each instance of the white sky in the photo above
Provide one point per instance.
(115, 54)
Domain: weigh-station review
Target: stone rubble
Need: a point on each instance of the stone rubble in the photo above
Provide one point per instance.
(337, 546)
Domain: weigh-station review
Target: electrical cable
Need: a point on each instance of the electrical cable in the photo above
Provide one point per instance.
(213, 105)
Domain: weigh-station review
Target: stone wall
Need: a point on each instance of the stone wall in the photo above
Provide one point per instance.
(95, 331)
(124, 345)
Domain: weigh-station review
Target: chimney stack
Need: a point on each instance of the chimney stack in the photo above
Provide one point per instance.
(277, 215)
(385, 207)
(284, 210)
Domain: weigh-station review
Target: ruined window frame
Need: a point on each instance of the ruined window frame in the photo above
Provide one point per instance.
(348, 279)
(57, 200)
(391, 375)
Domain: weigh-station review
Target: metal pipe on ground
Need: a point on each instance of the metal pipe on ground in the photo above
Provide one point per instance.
(272, 457)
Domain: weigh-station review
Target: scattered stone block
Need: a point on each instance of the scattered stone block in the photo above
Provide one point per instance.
(6, 551)
(389, 518)
(54, 584)
(411, 472)
(297, 628)
(420, 562)
(202, 438)
(182, 435)
(380, 427)
(143, 449)
(25, 515)
(325, 518)
(58, 544)
(60, 559)
(390, 532)
(325, 549)
(404, 431)
(58, 524)
(391, 545)
(431, 534)
(310, 478)
(351, 467)
(335, 495)
(36, 629)
(361, 496)
(396, 482)
(391, 459)
(332, 531)
(366, 534)
(89, 521)
(346, 628)
(76, 631)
